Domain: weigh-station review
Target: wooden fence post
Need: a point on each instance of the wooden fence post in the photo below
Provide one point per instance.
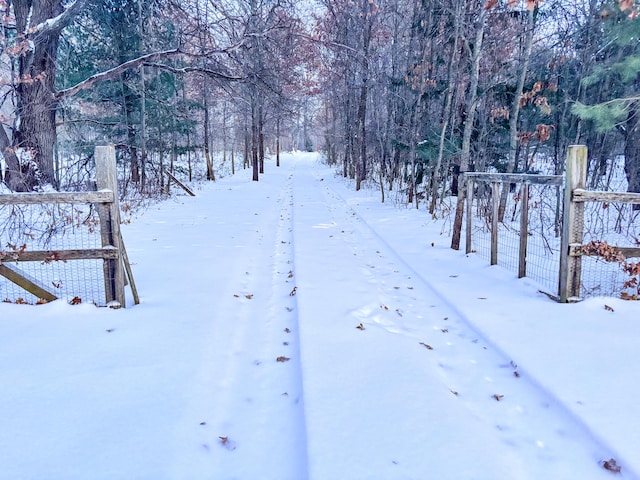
(107, 179)
(572, 224)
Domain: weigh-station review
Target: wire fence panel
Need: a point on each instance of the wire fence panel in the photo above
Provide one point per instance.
(543, 237)
(616, 224)
(53, 227)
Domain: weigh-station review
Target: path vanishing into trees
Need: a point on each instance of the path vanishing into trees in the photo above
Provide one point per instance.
(286, 332)
(340, 360)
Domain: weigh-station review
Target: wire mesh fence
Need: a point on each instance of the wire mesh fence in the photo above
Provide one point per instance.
(543, 233)
(607, 229)
(52, 227)
(615, 224)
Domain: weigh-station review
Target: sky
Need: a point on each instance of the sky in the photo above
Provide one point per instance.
(293, 328)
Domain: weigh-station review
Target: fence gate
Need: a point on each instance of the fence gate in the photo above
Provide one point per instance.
(33, 219)
(568, 254)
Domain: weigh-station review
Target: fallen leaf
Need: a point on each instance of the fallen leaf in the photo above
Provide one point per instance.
(360, 326)
(611, 465)
(249, 296)
(282, 359)
(454, 392)
(290, 274)
(75, 301)
(608, 308)
(498, 397)
(293, 292)
(287, 330)
(227, 443)
(444, 330)
(384, 307)
(426, 345)
(516, 374)
(398, 312)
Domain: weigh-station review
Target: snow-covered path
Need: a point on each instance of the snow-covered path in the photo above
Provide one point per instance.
(285, 333)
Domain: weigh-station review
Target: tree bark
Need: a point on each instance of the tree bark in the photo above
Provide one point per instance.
(472, 104)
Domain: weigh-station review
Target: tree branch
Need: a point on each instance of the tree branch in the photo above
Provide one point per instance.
(109, 74)
(183, 70)
(56, 23)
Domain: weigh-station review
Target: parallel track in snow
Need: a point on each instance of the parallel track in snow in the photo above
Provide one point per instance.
(469, 362)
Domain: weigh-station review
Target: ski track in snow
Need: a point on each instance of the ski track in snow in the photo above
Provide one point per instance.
(255, 356)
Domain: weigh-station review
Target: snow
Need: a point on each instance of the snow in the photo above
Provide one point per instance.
(245, 360)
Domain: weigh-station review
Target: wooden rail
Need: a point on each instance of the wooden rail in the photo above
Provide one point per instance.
(102, 196)
(528, 178)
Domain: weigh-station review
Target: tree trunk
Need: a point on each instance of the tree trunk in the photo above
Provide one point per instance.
(451, 82)
(254, 143)
(207, 154)
(278, 142)
(261, 138)
(472, 103)
(35, 138)
(515, 109)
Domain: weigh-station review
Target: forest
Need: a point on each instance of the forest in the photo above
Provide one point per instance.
(404, 93)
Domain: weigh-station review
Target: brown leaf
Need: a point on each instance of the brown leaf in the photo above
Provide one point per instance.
(360, 326)
(426, 345)
(293, 292)
(282, 359)
(626, 4)
(490, 4)
(608, 308)
(287, 330)
(498, 397)
(611, 465)
(249, 296)
(454, 392)
(75, 301)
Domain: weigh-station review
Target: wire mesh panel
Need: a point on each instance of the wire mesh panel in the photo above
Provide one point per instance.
(52, 227)
(543, 233)
(612, 224)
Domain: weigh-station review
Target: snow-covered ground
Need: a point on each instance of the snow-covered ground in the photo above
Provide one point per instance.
(295, 329)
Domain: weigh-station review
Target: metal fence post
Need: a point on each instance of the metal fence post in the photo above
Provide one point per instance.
(572, 224)
(469, 224)
(495, 204)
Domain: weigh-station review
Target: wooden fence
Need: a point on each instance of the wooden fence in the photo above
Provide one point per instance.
(115, 261)
(575, 195)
